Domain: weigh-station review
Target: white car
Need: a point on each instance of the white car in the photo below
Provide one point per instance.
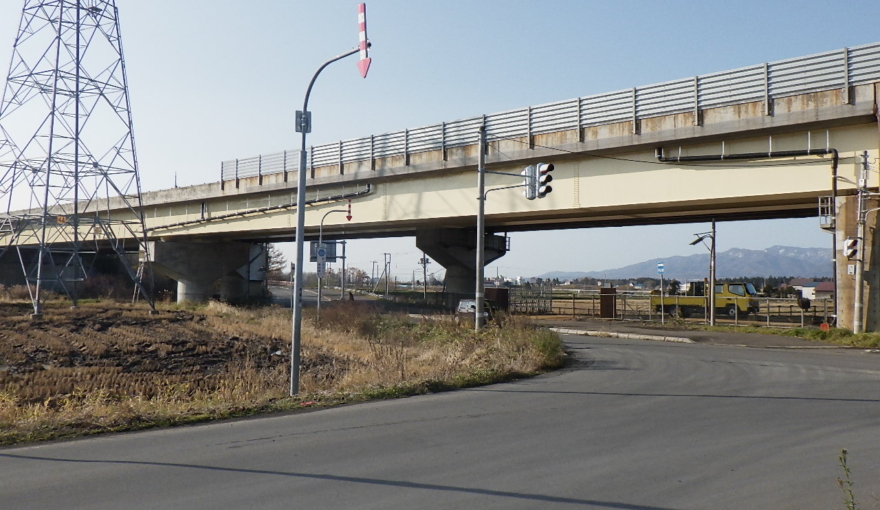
(468, 307)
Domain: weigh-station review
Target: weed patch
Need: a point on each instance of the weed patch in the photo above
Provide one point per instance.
(109, 367)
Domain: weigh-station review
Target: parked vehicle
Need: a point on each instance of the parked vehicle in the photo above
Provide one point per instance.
(731, 299)
(467, 308)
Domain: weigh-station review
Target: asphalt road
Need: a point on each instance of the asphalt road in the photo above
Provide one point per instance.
(630, 425)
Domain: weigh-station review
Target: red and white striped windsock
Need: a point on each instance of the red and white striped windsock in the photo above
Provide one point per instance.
(364, 44)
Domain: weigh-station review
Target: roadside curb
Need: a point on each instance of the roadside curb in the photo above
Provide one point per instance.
(631, 336)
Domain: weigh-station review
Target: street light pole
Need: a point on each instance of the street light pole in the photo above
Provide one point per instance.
(701, 237)
(304, 126)
(342, 283)
(321, 245)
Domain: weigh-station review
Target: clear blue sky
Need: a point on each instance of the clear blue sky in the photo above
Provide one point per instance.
(213, 80)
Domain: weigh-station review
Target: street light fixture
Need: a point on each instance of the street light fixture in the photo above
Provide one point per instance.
(701, 238)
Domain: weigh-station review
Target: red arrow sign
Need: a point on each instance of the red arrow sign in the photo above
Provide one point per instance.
(348, 216)
(363, 44)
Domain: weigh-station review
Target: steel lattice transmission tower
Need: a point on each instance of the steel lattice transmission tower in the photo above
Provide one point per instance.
(67, 150)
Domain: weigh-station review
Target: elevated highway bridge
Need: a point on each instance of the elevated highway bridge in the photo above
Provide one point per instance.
(766, 141)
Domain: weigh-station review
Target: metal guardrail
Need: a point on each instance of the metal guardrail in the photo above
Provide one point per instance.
(279, 162)
(839, 69)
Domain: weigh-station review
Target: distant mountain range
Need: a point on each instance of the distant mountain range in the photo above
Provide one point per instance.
(773, 261)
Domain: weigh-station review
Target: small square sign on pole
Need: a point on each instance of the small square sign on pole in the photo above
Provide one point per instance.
(660, 268)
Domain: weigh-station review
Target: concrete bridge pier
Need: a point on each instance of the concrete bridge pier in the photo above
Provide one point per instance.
(189, 290)
(847, 226)
(10, 269)
(455, 250)
(200, 267)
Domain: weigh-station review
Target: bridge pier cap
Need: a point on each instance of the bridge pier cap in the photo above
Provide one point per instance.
(455, 250)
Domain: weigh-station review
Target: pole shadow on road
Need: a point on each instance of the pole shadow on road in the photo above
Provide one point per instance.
(354, 479)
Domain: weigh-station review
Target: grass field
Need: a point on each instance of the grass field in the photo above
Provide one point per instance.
(110, 367)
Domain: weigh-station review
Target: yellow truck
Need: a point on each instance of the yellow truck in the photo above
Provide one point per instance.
(731, 299)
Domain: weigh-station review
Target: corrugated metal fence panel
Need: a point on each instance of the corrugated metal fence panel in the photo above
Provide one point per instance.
(807, 74)
(864, 64)
(389, 144)
(606, 108)
(500, 126)
(249, 167)
(732, 87)
(325, 155)
(559, 116)
(355, 150)
(665, 98)
(427, 138)
(463, 132)
(227, 170)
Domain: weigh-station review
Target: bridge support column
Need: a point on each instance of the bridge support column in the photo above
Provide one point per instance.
(197, 267)
(846, 225)
(455, 250)
(10, 269)
(197, 292)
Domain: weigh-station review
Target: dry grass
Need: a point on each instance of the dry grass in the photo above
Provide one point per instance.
(108, 367)
(14, 293)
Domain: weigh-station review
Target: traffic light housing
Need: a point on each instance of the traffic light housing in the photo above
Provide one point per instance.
(851, 247)
(542, 179)
(530, 179)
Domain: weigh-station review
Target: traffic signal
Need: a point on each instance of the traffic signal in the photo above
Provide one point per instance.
(851, 247)
(542, 179)
(529, 182)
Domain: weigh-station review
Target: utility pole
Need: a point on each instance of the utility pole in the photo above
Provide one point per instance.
(481, 229)
(859, 305)
(712, 277)
(387, 272)
(424, 262)
(662, 304)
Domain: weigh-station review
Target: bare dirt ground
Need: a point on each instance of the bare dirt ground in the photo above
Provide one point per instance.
(123, 348)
